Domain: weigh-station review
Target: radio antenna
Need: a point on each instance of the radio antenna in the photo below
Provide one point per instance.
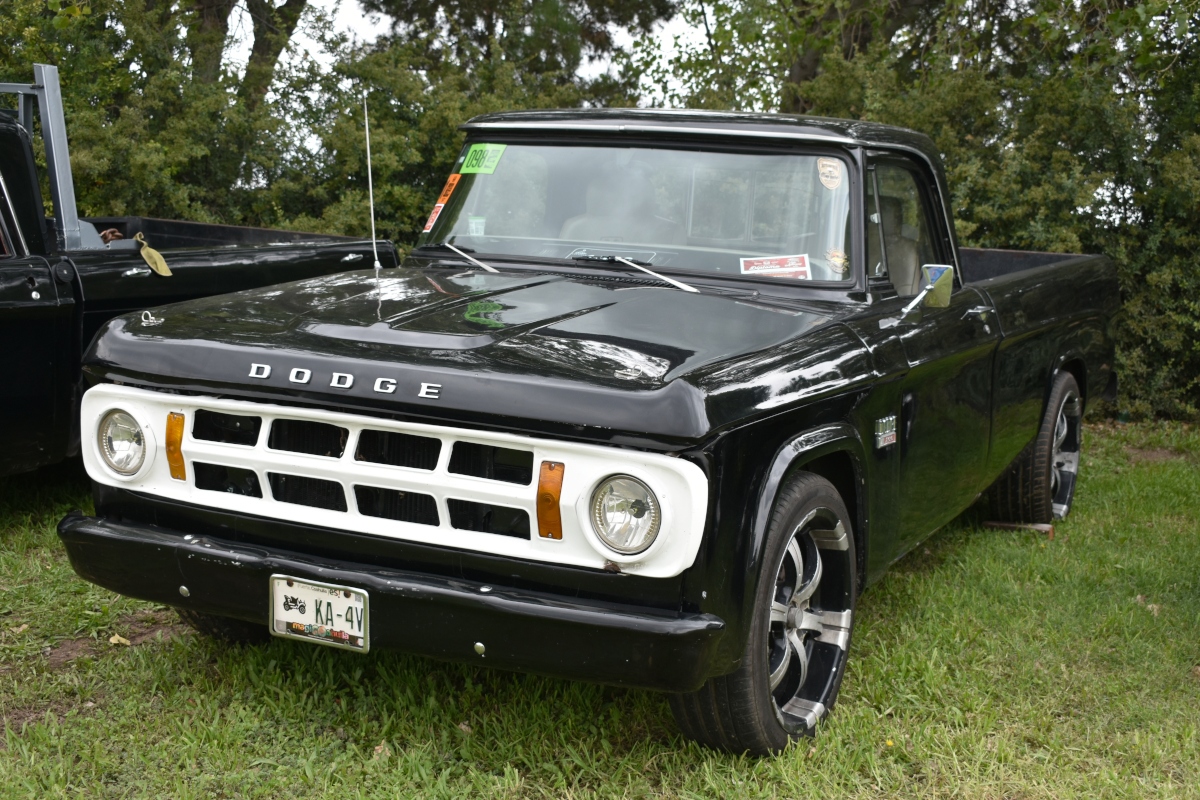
(370, 184)
(371, 200)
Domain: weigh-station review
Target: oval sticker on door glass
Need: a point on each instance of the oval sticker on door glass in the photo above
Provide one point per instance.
(830, 170)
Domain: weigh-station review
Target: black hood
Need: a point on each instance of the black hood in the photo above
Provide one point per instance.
(627, 340)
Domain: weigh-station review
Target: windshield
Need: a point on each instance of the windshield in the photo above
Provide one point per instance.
(773, 216)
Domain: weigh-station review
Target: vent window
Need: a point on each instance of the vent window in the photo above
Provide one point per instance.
(313, 438)
(231, 480)
(392, 504)
(214, 426)
(304, 491)
(486, 518)
(494, 463)
(398, 449)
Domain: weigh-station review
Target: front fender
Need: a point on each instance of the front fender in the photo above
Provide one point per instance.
(799, 451)
(727, 583)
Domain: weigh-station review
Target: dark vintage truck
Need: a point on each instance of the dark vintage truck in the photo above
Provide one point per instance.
(61, 280)
(655, 397)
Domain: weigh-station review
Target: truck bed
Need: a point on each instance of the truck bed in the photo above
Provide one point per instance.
(1047, 305)
(169, 234)
(981, 264)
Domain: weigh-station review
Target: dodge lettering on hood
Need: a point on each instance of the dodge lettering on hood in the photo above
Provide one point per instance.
(652, 400)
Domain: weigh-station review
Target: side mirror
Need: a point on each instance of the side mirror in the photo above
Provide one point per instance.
(939, 282)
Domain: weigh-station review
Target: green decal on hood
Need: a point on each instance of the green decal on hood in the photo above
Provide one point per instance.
(476, 310)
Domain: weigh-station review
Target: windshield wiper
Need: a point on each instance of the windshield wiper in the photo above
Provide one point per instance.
(637, 265)
(463, 253)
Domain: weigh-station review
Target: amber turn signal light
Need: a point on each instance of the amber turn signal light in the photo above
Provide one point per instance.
(549, 492)
(175, 446)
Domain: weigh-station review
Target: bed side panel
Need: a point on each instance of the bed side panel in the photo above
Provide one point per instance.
(1050, 316)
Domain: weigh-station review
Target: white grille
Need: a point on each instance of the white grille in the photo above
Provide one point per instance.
(680, 485)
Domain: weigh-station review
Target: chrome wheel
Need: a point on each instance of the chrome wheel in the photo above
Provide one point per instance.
(808, 629)
(1064, 454)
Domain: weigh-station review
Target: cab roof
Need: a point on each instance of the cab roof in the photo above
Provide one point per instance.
(733, 124)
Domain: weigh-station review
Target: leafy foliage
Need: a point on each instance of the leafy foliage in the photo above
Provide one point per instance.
(162, 121)
(1065, 127)
(986, 664)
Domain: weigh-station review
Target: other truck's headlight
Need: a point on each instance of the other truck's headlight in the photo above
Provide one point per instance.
(625, 514)
(122, 443)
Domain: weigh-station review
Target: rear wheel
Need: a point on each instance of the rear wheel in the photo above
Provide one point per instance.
(1039, 487)
(224, 629)
(795, 655)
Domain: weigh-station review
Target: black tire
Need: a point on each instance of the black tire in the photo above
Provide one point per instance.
(224, 629)
(795, 654)
(1040, 485)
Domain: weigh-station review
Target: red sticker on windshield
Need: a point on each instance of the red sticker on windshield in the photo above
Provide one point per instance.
(778, 267)
(433, 217)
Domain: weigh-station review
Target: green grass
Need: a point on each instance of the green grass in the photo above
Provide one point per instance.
(987, 664)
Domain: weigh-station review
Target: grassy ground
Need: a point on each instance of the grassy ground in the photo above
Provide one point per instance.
(986, 665)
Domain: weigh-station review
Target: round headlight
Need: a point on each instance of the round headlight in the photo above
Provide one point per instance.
(122, 443)
(625, 514)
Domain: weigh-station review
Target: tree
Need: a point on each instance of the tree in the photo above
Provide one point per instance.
(536, 35)
(159, 121)
(1064, 127)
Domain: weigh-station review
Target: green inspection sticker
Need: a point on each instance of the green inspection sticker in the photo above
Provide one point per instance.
(482, 158)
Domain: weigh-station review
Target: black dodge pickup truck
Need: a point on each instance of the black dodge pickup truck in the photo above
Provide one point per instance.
(656, 396)
(60, 279)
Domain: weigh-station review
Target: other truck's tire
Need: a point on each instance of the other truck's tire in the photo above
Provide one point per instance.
(1040, 485)
(795, 654)
(224, 629)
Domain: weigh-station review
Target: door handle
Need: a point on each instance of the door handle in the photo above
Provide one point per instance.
(136, 272)
(981, 312)
(351, 257)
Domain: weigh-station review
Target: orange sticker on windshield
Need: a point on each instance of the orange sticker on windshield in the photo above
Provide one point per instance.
(448, 189)
(433, 217)
(778, 267)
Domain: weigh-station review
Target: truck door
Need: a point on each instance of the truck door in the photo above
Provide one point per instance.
(944, 418)
(36, 357)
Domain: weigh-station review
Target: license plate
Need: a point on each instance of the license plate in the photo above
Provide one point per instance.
(319, 612)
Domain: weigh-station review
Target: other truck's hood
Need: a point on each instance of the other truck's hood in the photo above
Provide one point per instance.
(603, 334)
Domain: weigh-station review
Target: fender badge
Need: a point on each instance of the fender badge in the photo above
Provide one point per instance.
(148, 319)
(885, 431)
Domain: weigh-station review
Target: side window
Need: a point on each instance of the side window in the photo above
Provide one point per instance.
(904, 223)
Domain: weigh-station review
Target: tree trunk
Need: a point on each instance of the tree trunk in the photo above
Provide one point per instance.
(206, 37)
(273, 28)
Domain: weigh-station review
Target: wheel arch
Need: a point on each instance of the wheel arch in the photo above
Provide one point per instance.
(1074, 364)
(834, 452)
